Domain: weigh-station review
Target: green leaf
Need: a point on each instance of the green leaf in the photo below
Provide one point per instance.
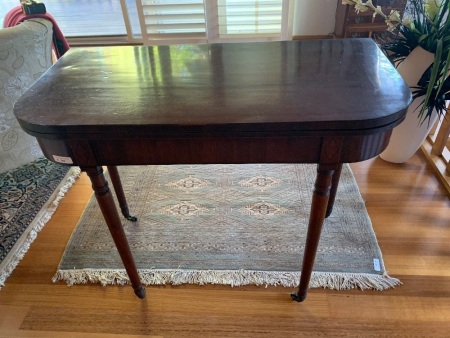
(433, 78)
(443, 75)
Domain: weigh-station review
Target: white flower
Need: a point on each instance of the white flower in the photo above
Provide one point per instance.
(392, 20)
(377, 10)
(391, 26)
(407, 21)
(17, 85)
(360, 8)
(394, 16)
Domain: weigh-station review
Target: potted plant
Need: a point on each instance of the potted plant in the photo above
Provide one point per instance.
(419, 46)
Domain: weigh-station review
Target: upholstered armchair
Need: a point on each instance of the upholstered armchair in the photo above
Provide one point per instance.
(25, 54)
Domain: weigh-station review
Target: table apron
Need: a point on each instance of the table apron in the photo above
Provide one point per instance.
(215, 150)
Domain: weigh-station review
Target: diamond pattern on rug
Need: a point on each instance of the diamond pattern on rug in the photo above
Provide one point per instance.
(260, 182)
(228, 224)
(188, 184)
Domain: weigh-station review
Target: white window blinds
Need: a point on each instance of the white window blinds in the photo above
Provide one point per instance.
(250, 18)
(200, 21)
(167, 20)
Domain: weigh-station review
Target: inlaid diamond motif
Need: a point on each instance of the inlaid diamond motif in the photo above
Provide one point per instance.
(332, 150)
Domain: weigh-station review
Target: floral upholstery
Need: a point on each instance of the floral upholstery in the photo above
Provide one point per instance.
(25, 54)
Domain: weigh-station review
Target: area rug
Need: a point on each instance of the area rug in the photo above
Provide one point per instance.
(228, 224)
(29, 195)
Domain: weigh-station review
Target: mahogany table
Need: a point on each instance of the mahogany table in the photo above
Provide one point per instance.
(316, 101)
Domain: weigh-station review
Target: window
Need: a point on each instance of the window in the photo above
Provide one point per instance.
(261, 18)
(168, 21)
(200, 21)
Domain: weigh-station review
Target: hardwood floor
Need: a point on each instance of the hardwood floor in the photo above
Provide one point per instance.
(411, 217)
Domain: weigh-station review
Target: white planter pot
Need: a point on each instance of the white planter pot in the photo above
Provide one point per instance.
(408, 136)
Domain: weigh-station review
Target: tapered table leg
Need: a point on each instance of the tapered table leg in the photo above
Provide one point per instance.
(334, 187)
(112, 218)
(118, 189)
(319, 206)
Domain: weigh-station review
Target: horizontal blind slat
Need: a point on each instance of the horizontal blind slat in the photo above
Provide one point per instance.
(182, 9)
(170, 19)
(170, 2)
(175, 36)
(186, 16)
(163, 29)
(264, 3)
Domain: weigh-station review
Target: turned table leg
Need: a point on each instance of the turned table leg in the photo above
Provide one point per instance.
(117, 184)
(106, 202)
(319, 207)
(334, 187)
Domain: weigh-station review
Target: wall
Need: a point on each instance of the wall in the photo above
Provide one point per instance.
(314, 17)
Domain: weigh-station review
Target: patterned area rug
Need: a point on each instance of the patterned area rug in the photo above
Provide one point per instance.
(228, 224)
(28, 197)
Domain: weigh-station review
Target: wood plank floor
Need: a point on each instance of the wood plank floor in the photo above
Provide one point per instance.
(411, 217)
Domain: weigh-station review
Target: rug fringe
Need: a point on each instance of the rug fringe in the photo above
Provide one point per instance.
(39, 222)
(329, 280)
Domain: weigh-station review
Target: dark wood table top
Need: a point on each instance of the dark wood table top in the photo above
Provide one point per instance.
(306, 87)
